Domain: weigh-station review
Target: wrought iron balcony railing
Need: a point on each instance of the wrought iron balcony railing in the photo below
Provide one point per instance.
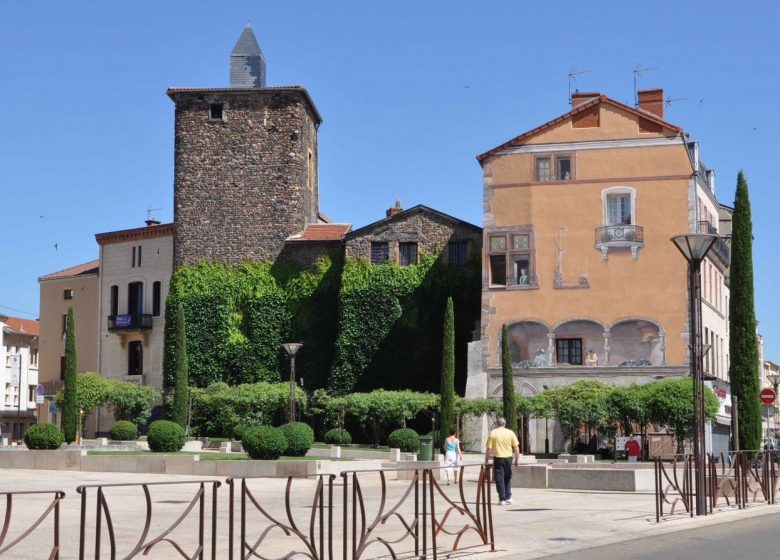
(620, 236)
(721, 247)
(130, 322)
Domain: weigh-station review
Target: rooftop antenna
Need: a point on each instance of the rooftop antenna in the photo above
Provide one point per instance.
(638, 74)
(669, 100)
(149, 211)
(573, 73)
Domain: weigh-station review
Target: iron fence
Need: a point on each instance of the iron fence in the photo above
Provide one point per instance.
(7, 543)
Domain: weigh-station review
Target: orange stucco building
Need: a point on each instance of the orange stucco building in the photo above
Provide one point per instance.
(577, 258)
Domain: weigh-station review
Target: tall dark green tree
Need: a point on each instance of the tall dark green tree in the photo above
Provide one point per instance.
(743, 343)
(181, 387)
(69, 395)
(447, 411)
(510, 407)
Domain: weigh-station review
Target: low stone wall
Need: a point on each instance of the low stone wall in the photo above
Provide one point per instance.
(617, 478)
(336, 452)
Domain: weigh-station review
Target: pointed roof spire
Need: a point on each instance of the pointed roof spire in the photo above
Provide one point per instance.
(247, 63)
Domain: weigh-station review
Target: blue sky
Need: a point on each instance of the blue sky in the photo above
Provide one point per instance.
(410, 92)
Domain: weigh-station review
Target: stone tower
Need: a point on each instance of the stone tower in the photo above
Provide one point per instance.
(245, 164)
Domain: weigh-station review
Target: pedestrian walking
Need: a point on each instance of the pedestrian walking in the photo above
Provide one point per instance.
(633, 449)
(453, 456)
(502, 445)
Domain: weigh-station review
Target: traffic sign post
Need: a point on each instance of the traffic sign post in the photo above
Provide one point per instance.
(768, 397)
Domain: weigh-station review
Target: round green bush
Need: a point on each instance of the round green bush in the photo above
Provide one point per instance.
(43, 436)
(123, 431)
(338, 436)
(264, 442)
(239, 429)
(299, 436)
(165, 435)
(404, 439)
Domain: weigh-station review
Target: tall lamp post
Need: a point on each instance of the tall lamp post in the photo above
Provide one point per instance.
(292, 349)
(694, 247)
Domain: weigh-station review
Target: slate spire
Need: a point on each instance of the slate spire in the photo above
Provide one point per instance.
(247, 64)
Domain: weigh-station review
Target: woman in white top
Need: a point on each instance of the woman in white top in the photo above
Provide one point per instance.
(452, 456)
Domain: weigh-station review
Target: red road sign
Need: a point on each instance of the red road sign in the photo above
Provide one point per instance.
(768, 396)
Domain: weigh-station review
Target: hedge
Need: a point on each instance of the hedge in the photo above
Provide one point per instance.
(165, 435)
(43, 436)
(404, 439)
(123, 430)
(264, 442)
(299, 436)
(338, 436)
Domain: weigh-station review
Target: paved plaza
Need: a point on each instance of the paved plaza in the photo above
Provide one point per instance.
(539, 523)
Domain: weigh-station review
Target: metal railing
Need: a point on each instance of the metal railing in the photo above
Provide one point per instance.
(721, 247)
(130, 322)
(145, 543)
(623, 235)
(53, 506)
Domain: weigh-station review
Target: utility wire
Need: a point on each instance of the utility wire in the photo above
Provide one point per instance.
(19, 310)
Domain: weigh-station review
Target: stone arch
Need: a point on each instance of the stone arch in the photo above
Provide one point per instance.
(584, 334)
(637, 341)
(528, 343)
(521, 388)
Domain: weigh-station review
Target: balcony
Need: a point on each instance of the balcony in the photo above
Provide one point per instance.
(622, 236)
(721, 247)
(130, 323)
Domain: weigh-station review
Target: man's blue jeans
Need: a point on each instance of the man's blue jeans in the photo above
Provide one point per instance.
(502, 472)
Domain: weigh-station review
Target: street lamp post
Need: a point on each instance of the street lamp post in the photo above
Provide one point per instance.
(292, 349)
(694, 247)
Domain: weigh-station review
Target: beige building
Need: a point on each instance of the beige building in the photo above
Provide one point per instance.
(577, 257)
(19, 357)
(75, 287)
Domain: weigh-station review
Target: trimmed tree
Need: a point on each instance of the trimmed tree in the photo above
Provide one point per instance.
(181, 389)
(510, 408)
(447, 410)
(69, 396)
(743, 342)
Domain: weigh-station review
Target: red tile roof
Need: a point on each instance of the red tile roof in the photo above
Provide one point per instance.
(17, 325)
(90, 267)
(579, 108)
(322, 232)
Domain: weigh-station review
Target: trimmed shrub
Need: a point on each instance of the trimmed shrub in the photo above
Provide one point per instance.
(404, 439)
(241, 427)
(43, 436)
(165, 435)
(299, 436)
(124, 430)
(338, 436)
(264, 442)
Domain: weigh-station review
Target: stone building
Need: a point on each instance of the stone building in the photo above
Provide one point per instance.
(402, 236)
(18, 375)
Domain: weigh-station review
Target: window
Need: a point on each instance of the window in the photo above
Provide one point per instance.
(135, 298)
(569, 351)
(139, 255)
(67, 294)
(34, 356)
(379, 252)
(618, 209)
(31, 393)
(513, 250)
(562, 171)
(310, 170)
(64, 326)
(458, 253)
(156, 299)
(62, 368)
(135, 358)
(407, 253)
(114, 301)
(216, 111)
(133, 265)
(136, 256)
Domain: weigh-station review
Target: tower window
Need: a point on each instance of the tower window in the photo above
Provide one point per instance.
(216, 111)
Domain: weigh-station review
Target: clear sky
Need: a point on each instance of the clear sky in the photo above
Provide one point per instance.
(410, 92)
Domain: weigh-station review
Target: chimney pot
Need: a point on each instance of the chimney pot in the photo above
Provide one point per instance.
(395, 209)
(652, 101)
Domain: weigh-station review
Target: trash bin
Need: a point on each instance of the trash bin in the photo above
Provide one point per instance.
(426, 448)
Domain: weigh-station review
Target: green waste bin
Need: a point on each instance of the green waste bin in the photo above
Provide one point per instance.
(426, 448)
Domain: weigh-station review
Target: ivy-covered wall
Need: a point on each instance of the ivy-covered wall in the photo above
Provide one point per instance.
(363, 326)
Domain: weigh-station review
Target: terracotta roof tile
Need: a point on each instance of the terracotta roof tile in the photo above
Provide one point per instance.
(17, 325)
(90, 267)
(322, 232)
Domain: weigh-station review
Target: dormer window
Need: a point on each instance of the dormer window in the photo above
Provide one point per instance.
(216, 111)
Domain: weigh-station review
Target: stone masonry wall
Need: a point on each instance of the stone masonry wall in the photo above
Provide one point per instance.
(241, 184)
(428, 230)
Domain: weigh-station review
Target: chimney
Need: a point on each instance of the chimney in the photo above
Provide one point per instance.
(580, 97)
(652, 101)
(395, 209)
(152, 222)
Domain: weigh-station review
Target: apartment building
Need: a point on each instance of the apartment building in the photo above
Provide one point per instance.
(577, 257)
(19, 357)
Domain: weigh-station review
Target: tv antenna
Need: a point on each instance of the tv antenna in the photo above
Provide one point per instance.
(573, 73)
(638, 74)
(150, 210)
(669, 100)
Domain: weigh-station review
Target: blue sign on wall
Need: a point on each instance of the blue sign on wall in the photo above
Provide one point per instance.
(53, 408)
(123, 320)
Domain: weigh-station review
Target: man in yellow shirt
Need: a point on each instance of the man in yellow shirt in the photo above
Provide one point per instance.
(503, 447)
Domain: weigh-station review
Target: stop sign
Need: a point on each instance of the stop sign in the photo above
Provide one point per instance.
(768, 396)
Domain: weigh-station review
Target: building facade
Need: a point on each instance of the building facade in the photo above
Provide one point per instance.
(577, 258)
(19, 357)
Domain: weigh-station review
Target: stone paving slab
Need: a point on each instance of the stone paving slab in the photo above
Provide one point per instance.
(539, 523)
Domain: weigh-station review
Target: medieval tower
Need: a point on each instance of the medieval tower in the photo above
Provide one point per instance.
(245, 164)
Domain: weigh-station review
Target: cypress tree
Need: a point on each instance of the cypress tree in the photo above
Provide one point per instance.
(181, 389)
(69, 397)
(510, 407)
(447, 412)
(743, 342)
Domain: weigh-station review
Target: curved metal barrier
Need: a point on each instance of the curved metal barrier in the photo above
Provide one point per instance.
(53, 506)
